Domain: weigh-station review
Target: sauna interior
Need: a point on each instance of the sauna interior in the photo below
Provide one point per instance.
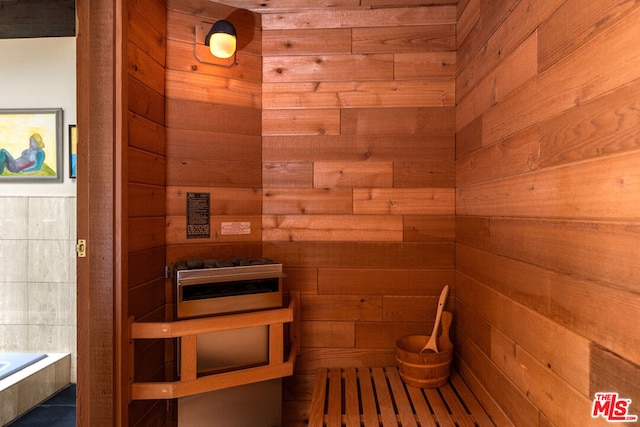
(379, 149)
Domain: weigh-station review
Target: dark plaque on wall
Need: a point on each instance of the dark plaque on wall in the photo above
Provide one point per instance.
(198, 226)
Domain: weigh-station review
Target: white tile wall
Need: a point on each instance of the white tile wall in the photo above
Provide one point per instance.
(38, 284)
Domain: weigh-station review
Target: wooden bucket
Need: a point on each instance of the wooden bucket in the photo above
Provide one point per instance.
(426, 370)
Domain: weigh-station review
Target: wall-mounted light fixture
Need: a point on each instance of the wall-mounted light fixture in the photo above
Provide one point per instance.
(221, 39)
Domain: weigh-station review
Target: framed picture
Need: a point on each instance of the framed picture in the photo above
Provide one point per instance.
(31, 145)
(73, 150)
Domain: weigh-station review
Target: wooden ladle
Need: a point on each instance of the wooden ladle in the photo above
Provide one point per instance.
(432, 344)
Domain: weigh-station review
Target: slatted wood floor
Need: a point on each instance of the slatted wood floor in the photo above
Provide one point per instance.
(374, 397)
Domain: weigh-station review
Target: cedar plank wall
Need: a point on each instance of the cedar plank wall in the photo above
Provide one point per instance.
(213, 130)
(145, 67)
(547, 206)
(358, 177)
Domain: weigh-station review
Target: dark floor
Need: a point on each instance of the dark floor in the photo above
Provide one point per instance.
(57, 411)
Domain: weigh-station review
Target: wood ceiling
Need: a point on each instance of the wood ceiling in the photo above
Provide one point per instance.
(33, 18)
(273, 6)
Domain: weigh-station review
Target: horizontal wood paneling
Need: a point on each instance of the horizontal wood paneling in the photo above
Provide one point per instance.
(221, 146)
(574, 24)
(434, 201)
(598, 312)
(146, 168)
(510, 74)
(146, 200)
(146, 134)
(176, 230)
(610, 372)
(197, 116)
(555, 92)
(378, 39)
(328, 228)
(397, 121)
(418, 65)
(383, 281)
(145, 203)
(189, 172)
(429, 228)
(287, 175)
(546, 205)
(213, 130)
(512, 401)
(520, 20)
(416, 255)
(365, 94)
(222, 201)
(327, 67)
(352, 174)
(341, 308)
(359, 172)
(605, 188)
(305, 42)
(355, 18)
(391, 147)
(278, 5)
(301, 122)
(307, 200)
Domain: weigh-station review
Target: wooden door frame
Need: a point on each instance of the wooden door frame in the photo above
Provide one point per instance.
(102, 399)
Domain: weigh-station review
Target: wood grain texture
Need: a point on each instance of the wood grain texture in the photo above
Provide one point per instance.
(554, 254)
(415, 201)
(307, 201)
(329, 228)
(389, 147)
(356, 18)
(327, 67)
(358, 94)
(574, 23)
(555, 93)
(599, 312)
(416, 38)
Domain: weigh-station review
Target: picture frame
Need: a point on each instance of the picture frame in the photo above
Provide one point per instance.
(31, 144)
(73, 151)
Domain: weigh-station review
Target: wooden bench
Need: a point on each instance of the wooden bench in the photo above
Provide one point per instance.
(356, 397)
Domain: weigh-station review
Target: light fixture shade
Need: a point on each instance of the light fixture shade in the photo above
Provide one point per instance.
(222, 39)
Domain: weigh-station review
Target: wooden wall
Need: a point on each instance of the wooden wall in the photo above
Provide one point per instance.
(358, 174)
(547, 207)
(213, 130)
(144, 168)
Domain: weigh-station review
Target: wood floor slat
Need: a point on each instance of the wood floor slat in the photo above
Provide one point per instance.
(472, 404)
(375, 397)
(458, 412)
(369, 407)
(316, 412)
(334, 411)
(423, 412)
(351, 398)
(439, 408)
(405, 411)
(385, 404)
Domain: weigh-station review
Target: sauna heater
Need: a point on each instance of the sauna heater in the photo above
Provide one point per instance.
(214, 288)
